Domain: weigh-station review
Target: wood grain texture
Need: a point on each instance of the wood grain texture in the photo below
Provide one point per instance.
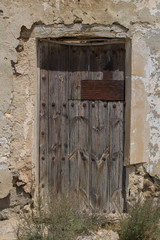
(78, 67)
(74, 145)
(43, 130)
(116, 140)
(102, 90)
(58, 120)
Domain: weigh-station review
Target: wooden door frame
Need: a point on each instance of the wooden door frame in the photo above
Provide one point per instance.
(75, 41)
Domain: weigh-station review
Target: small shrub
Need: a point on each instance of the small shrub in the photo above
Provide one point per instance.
(142, 222)
(58, 219)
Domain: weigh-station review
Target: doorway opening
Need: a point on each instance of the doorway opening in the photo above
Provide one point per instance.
(81, 121)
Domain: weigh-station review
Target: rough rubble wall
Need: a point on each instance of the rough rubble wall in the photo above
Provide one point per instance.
(138, 20)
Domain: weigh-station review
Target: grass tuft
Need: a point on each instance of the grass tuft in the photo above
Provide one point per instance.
(58, 219)
(142, 222)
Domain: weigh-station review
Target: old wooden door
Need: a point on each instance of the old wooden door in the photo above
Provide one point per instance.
(82, 121)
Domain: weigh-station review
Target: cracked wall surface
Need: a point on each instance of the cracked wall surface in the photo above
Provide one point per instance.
(21, 23)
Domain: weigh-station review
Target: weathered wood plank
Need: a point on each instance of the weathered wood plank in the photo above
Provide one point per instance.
(100, 154)
(54, 119)
(78, 66)
(58, 121)
(108, 60)
(43, 129)
(105, 175)
(84, 151)
(74, 145)
(95, 196)
(63, 100)
(116, 156)
(103, 155)
(102, 90)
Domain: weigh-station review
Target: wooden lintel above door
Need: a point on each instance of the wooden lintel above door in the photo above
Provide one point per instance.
(112, 90)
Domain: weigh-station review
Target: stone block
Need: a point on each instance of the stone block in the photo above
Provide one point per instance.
(5, 181)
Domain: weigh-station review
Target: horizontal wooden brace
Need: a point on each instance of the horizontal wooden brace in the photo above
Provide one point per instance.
(112, 90)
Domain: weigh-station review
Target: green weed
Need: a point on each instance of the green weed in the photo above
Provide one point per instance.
(142, 222)
(57, 219)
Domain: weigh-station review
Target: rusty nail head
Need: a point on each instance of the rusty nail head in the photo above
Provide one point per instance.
(43, 77)
(84, 104)
(42, 133)
(93, 105)
(105, 105)
(72, 104)
(43, 104)
(43, 158)
(64, 104)
(114, 105)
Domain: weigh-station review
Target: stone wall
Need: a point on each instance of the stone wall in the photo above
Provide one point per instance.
(21, 24)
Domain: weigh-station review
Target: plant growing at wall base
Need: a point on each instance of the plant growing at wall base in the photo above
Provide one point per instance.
(142, 222)
(57, 219)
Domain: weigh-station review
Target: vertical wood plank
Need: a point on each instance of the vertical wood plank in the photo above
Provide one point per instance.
(95, 73)
(95, 197)
(100, 154)
(106, 182)
(116, 156)
(78, 66)
(84, 151)
(43, 130)
(84, 157)
(104, 155)
(58, 121)
(64, 120)
(78, 111)
(73, 145)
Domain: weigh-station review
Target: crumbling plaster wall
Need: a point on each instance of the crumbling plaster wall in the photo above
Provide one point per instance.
(138, 20)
